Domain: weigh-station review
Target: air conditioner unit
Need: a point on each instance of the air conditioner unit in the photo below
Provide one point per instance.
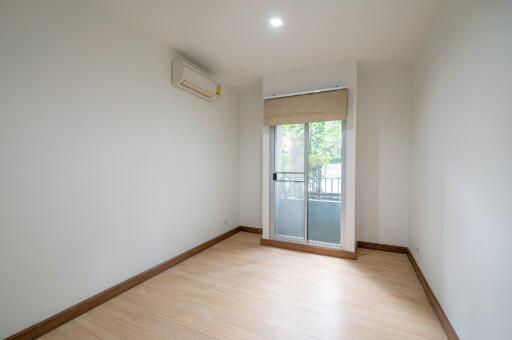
(190, 79)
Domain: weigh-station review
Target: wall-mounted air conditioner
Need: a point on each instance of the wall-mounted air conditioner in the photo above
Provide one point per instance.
(190, 79)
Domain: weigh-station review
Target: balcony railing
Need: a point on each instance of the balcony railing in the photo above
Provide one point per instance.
(320, 188)
(325, 188)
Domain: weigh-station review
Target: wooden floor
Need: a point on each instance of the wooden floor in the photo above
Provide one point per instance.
(240, 290)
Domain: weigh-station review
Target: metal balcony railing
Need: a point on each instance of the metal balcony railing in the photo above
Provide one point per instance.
(325, 188)
(319, 188)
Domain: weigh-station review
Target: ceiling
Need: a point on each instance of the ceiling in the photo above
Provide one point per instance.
(233, 40)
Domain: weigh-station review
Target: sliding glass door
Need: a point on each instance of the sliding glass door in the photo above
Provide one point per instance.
(324, 182)
(289, 178)
(307, 182)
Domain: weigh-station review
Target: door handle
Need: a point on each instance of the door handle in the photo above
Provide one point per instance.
(274, 176)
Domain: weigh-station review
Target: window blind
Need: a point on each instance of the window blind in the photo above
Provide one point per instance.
(305, 108)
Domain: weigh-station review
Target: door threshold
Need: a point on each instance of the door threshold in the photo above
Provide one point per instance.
(310, 248)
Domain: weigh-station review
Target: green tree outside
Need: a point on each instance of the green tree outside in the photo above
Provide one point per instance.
(324, 148)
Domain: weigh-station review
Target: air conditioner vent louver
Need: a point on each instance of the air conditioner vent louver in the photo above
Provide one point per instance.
(190, 79)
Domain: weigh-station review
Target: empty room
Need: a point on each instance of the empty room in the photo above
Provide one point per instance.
(255, 169)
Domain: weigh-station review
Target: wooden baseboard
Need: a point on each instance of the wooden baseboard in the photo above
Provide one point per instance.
(310, 248)
(69, 314)
(443, 319)
(247, 229)
(383, 247)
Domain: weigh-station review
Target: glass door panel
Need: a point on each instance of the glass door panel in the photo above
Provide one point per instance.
(324, 182)
(289, 179)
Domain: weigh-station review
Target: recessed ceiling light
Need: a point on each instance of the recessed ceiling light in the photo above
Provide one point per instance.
(276, 22)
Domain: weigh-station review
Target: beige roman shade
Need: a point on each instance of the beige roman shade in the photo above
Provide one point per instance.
(313, 107)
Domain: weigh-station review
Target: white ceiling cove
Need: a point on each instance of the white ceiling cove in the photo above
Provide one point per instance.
(233, 40)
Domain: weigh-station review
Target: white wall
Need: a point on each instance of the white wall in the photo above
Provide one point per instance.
(106, 170)
(383, 155)
(314, 77)
(251, 120)
(462, 166)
